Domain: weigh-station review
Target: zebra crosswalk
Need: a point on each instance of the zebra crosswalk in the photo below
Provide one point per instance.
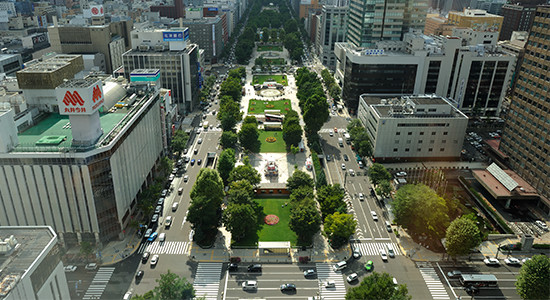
(434, 284)
(326, 273)
(207, 280)
(167, 247)
(373, 248)
(99, 283)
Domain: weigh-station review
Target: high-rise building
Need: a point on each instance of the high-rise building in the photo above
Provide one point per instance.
(332, 29)
(491, 6)
(306, 6)
(518, 17)
(477, 19)
(526, 137)
(371, 21)
(475, 76)
(437, 25)
(175, 11)
(209, 34)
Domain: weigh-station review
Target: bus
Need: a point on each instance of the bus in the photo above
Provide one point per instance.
(478, 280)
(273, 118)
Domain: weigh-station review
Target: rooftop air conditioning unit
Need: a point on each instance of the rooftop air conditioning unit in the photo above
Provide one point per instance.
(159, 47)
(143, 47)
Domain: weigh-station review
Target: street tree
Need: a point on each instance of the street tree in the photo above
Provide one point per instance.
(354, 123)
(229, 115)
(226, 163)
(378, 286)
(384, 188)
(292, 134)
(241, 185)
(250, 120)
(205, 209)
(378, 173)
(315, 113)
(166, 165)
(299, 178)
(229, 139)
(534, 278)
(172, 286)
(305, 222)
(265, 35)
(291, 26)
(231, 87)
(245, 172)
(86, 249)
(410, 205)
(248, 137)
(339, 227)
(299, 194)
(462, 236)
(179, 141)
(331, 199)
(362, 143)
(239, 219)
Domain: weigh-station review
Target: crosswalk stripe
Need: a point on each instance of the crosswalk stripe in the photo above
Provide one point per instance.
(372, 248)
(325, 273)
(99, 283)
(167, 247)
(207, 280)
(433, 282)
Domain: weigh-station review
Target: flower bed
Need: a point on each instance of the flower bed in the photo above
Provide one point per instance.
(270, 106)
(270, 139)
(271, 219)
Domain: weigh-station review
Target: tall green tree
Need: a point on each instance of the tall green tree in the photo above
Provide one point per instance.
(231, 87)
(315, 113)
(239, 219)
(229, 139)
(236, 187)
(534, 278)
(250, 120)
(410, 205)
(166, 165)
(377, 174)
(226, 163)
(305, 222)
(245, 172)
(378, 286)
(205, 209)
(331, 199)
(298, 179)
(179, 141)
(265, 35)
(172, 286)
(86, 249)
(230, 114)
(292, 134)
(384, 188)
(339, 227)
(248, 137)
(462, 236)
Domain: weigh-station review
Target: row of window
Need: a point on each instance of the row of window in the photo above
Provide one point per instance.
(537, 104)
(431, 141)
(532, 93)
(419, 149)
(421, 133)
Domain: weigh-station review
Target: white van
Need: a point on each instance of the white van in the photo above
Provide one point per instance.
(340, 266)
(175, 206)
(391, 251)
(250, 285)
(127, 296)
(162, 237)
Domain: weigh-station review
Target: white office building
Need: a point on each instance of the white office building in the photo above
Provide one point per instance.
(411, 128)
(331, 29)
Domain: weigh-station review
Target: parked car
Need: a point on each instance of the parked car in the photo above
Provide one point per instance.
(139, 274)
(352, 277)
(175, 171)
(401, 174)
(328, 157)
(148, 233)
(199, 141)
(164, 193)
(346, 158)
(185, 178)
(512, 261)
(250, 285)
(155, 218)
(154, 260)
(369, 265)
(91, 266)
(199, 161)
(70, 268)
(351, 172)
(255, 268)
(454, 273)
(153, 236)
(542, 225)
(361, 197)
(145, 257)
(233, 267)
(291, 287)
(491, 261)
(158, 209)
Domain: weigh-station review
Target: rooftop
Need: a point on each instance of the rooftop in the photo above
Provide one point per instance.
(31, 243)
(499, 191)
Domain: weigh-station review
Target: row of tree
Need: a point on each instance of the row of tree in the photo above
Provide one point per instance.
(331, 85)
(305, 220)
(360, 138)
(292, 131)
(169, 286)
(313, 103)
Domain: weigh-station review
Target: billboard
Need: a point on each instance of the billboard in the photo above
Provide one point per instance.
(374, 52)
(213, 40)
(96, 10)
(38, 39)
(172, 36)
(80, 100)
(212, 9)
(305, 2)
(186, 34)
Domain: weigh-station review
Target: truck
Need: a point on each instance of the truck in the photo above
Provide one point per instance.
(205, 124)
(341, 142)
(347, 137)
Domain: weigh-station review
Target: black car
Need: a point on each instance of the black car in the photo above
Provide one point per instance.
(199, 161)
(139, 274)
(145, 257)
(346, 158)
(255, 268)
(233, 267)
(288, 287)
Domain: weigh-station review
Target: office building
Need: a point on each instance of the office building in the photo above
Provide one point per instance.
(371, 21)
(10, 63)
(111, 40)
(518, 16)
(491, 6)
(477, 19)
(209, 34)
(446, 6)
(30, 258)
(178, 60)
(526, 138)
(437, 25)
(77, 169)
(331, 29)
(515, 46)
(175, 11)
(408, 128)
(475, 76)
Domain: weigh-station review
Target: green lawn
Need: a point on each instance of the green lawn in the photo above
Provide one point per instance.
(270, 48)
(279, 232)
(259, 79)
(259, 106)
(278, 146)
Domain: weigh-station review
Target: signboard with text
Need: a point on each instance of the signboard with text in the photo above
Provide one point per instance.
(172, 36)
(374, 52)
(81, 100)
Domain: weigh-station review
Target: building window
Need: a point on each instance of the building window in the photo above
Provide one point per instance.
(433, 132)
(420, 141)
(441, 149)
(419, 149)
(445, 133)
(432, 141)
(398, 133)
(422, 133)
(394, 149)
(406, 149)
(409, 133)
(430, 149)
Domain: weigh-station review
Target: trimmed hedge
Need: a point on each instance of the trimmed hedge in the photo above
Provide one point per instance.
(320, 177)
(541, 246)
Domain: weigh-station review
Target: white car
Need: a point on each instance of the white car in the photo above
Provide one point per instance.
(374, 216)
(70, 268)
(199, 141)
(401, 174)
(343, 166)
(330, 284)
(154, 260)
(491, 261)
(352, 277)
(185, 178)
(525, 260)
(512, 261)
(383, 255)
(541, 224)
(361, 197)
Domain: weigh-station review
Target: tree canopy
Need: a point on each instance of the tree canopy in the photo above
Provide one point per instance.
(248, 137)
(226, 163)
(378, 286)
(305, 221)
(339, 227)
(298, 179)
(245, 172)
(228, 139)
(377, 174)
(462, 236)
(534, 278)
(331, 199)
(172, 286)
(410, 205)
(179, 140)
(206, 199)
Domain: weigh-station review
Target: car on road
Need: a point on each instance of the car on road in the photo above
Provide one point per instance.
(356, 254)
(525, 260)
(180, 191)
(158, 209)
(70, 268)
(541, 224)
(199, 141)
(361, 197)
(162, 237)
(340, 266)
(383, 255)
(255, 268)
(154, 260)
(343, 166)
(512, 261)
(401, 174)
(310, 273)
(185, 151)
(168, 221)
(139, 274)
(175, 171)
(185, 178)
(330, 284)
(346, 157)
(148, 233)
(352, 277)
(250, 285)
(199, 161)
(155, 218)
(196, 151)
(192, 163)
(328, 157)
(335, 130)
(233, 267)
(91, 266)
(491, 261)
(330, 133)
(145, 257)
(290, 287)
(454, 273)
(164, 193)
(369, 265)
(351, 172)
(153, 236)
(374, 215)
(171, 177)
